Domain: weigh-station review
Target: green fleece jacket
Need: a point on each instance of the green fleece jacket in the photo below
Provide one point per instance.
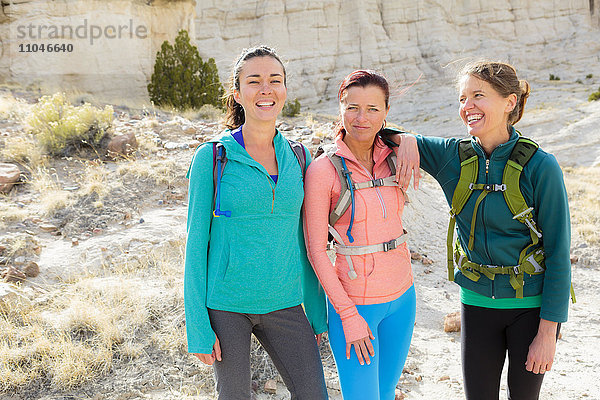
(254, 261)
(498, 237)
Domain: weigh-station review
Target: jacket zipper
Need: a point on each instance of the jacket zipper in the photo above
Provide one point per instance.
(487, 174)
(379, 196)
(482, 205)
(272, 191)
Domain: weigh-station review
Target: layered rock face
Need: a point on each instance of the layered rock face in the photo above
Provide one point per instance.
(105, 48)
(115, 41)
(324, 40)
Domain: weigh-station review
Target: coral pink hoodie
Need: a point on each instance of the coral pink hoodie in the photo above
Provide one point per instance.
(382, 276)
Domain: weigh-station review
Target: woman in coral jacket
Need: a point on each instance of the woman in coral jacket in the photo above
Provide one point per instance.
(246, 270)
(370, 288)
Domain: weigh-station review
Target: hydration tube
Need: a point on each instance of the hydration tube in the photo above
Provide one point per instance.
(351, 187)
(217, 212)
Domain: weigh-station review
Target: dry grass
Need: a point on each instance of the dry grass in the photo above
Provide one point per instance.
(95, 180)
(10, 214)
(52, 197)
(23, 150)
(12, 108)
(207, 112)
(83, 328)
(161, 172)
(584, 201)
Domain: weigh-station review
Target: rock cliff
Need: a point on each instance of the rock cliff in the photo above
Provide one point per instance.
(322, 40)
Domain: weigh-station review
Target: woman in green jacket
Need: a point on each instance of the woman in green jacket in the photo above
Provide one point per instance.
(246, 270)
(512, 255)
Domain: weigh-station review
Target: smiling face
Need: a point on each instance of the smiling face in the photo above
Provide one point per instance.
(483, 110)
(363, 113)
(262, 90)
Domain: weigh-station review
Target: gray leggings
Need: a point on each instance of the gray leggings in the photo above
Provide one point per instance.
(287, 337)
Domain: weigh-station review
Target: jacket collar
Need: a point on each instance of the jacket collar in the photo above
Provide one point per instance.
(236, 152)
(502, 151)
(380, 150)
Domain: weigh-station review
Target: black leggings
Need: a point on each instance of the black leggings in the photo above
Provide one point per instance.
(289, 340)
(487, 334)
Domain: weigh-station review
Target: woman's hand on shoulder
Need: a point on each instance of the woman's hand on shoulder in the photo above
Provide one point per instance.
(209, 359)
(363, 348)
(408, 160)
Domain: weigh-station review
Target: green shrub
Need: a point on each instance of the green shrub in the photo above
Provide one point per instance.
(589, 76)
(61, 127)
(554, 77)
(594, 96)
(579, 81)
(181, 79)
(291, 109)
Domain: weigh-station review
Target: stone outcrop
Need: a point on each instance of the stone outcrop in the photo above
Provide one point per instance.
(9, 175)
(114, 43)
(322, 40)
(122, 145)
(325, 40)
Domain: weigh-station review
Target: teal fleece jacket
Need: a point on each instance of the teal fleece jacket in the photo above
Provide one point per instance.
(498, 237)
(254, 261)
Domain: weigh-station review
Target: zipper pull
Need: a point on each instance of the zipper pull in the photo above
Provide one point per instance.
(487, 166)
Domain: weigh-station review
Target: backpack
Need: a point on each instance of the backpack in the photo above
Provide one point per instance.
(220, 159)
(531, 258)
(346, 200)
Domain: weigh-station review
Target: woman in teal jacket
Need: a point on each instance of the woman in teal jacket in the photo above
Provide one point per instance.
(504, 308)
(246, 270)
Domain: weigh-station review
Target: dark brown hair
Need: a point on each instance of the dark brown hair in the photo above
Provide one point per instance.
(234, 115)
(361, 78)
(503, 78)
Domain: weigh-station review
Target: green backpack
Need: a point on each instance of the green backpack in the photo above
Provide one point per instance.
(531, 258)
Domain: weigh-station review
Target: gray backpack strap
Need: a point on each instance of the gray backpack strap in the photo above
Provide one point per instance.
(218, 153)
(300, 153)
(392, 161)
(345, 199)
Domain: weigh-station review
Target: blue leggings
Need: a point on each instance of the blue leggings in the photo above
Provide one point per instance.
(392, 325)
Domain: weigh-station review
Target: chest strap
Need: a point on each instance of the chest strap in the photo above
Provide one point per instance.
(371, 248)
(347, 251)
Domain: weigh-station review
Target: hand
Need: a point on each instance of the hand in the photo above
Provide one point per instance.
(318, 338)
(363, 347)
(542, 348)
(408, 160)
(209, 359)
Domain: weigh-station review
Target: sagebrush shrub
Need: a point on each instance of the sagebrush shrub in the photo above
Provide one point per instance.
(594, 96)
(61, 127)
(291, 109)
(181, 79)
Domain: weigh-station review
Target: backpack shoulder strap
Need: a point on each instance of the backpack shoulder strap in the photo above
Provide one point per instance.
(219, 161)
(519, 157)
(300, 153)
(392, 161)
(523, 151)
(469, 168)
(345, 199)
